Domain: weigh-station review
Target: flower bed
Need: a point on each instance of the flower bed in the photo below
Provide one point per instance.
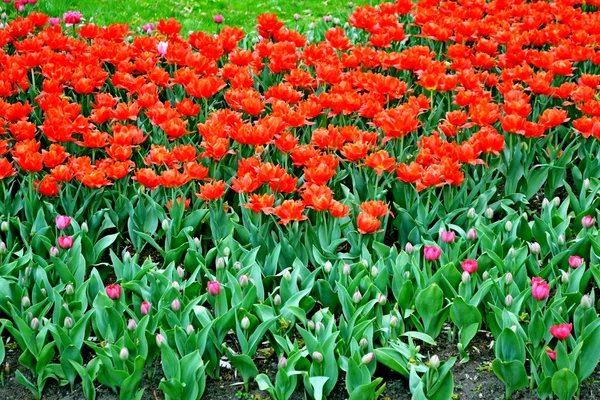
(329, 199)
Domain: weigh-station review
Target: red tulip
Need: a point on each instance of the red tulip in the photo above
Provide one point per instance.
(113, 291)
(432, 253)
(562, 331)
(65, 242)
(469, 266)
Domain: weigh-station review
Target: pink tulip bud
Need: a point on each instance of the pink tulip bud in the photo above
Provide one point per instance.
(65, 242)
(243, 280)
(575, 261)
(124, 354)
(318, 357)
(466, 277)
(68, 322)
(69, 290)
(180, 272)
(160, 339)
(131, 325)
(346, 269)
(54, 252)
(213, 287)
(296, 16)
(145, 307)
(472, 234)
(175, 305)
(34, 324)
(218, 19)
(586, 302)
(587, 221)
(508, 300)
(282, 362)
(448, 236)
(357, 297)
(408, 248)
(535, 247)
(368, 358)
(432, 253)
(162, 48)
(113, 291)
(62, 222)
(25, 302)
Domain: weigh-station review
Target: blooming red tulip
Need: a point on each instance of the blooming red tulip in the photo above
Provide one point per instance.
(469, 266)
(113, 291)
(62, 222)
(65, 242)
(213, 287)
(562, 331)
(539, 289)
(432, 253)
(575, 261)
(145, 307)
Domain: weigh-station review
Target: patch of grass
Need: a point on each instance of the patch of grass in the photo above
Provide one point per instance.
(197, 15)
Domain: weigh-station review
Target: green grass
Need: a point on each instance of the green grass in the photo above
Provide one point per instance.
(198, 14)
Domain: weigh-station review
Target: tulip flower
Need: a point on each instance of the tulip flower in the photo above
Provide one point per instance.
(587, 221)
(65, 242)
(472, 234)
(539, 288)
(145, 307)
(562, 331)
(469, 266)
(72, 17)
(551, 354)
(432, 253)
(175, 305)
(575, 261)
(62, 222)
(448, 236)
(218, 19)
(160, 339)
(131, 325)
(213, 287)
(162, 48)
(113, 291)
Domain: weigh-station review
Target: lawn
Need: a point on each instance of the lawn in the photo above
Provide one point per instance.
(198, 14)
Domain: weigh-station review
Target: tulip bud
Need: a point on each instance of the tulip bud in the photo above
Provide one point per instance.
(561, 239)
(586, 302)
(84, 227)
(364, 343)
(175, 305)
(368, 358)
(508, 226)
(508, 300)
(409, 248)
(245, 324)
(318, 357)
(471, 213)
(556, 201)
(69, 289)
(124, 354)
(197, 242)
(220, 263)
(54, 252)
(545, 203)
(127, 257)
(180, 272)
(319, 327)
(535, 247)
(565, 277)
(472, 234)
(466, 277)
(587, 221)
(25, 302)
(43, 290)
(485, 276)
(327, 266)
(160, 339)
(311, 325)
(357, 297)
(393, 321)
(68, 323)
(374, 271)
(586, 184)
(145, 307)
(175, 284)
(407, 274)
(4, 226)
(277, 300)
(513, 328)
(282, 362)
(131, 325)
(34, 324)
(508, 279)
(189, 329)
(489, 213)
(346, 269)
(434, 362)
(364, 263)
(382, 299)
(237, 265)
(2, 247)
(165, 225)
(287, 276)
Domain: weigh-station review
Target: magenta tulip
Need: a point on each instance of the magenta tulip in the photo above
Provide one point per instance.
(65, 242)
(113, 291)
(432, 253)
(62, 222)
(213, 287)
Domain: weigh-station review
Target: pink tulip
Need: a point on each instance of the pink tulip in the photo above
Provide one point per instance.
(175, 305)
(54, 21)
(62, 222)
(472, 234)
(562, 331)
(539, 289)
(72, 17)
(162, 48)
(432, 253)
(214, 288)
(587, 221)
(113, 291)
(148, 28)
(65, 242)
(145, 307)
(448, 237)
(218, 19)
(575, 261)
(551, 354)
(54, 252)
(469, 266)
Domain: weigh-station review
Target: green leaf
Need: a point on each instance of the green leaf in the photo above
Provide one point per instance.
(564, 384)
(512, 373)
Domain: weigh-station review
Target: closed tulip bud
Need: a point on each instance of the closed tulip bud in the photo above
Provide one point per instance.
(287, 276)
(545, 203)
(124, 354)
(407, 274)
(160, 339)
(485, 276)
(586, 302)
(327, 267)
(68, 323)
(69, 289)
(319, 327)
(43, 291)
(508, 300)
(25, 301)
(66, 306)
(54, 252)
(318, 357)
(34, 324)
(357, 297)
(197, 242)
(368, 358)
(489, 213)
(4, 226)
(175, 285)
(277, 300)
(226, 251)
(382, 299)
(346, 269)
(282, 362)
(471, 213)
(84, 227)
(364, 343)
(220, 263)
(393, 321)
(243, 280)
(237, 265)
(587, 221)
(466, 277)
(245, 323)
(374, 271)
(434, 362)
(561, 239)
(508, 226)
(127, 257)
(586, 184)
(180, 272)
(145, 307)
(189, 329)
(535, 247)
(364, 263)
(165, 225)
(27, 271)
(409, 248)
(311, 325)
(508, 279)
(472, 234)
(175, 305)
(556, 201)
(2, 247)
(131, 325)
(513, 328)
(511, 252)
(565, 277)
